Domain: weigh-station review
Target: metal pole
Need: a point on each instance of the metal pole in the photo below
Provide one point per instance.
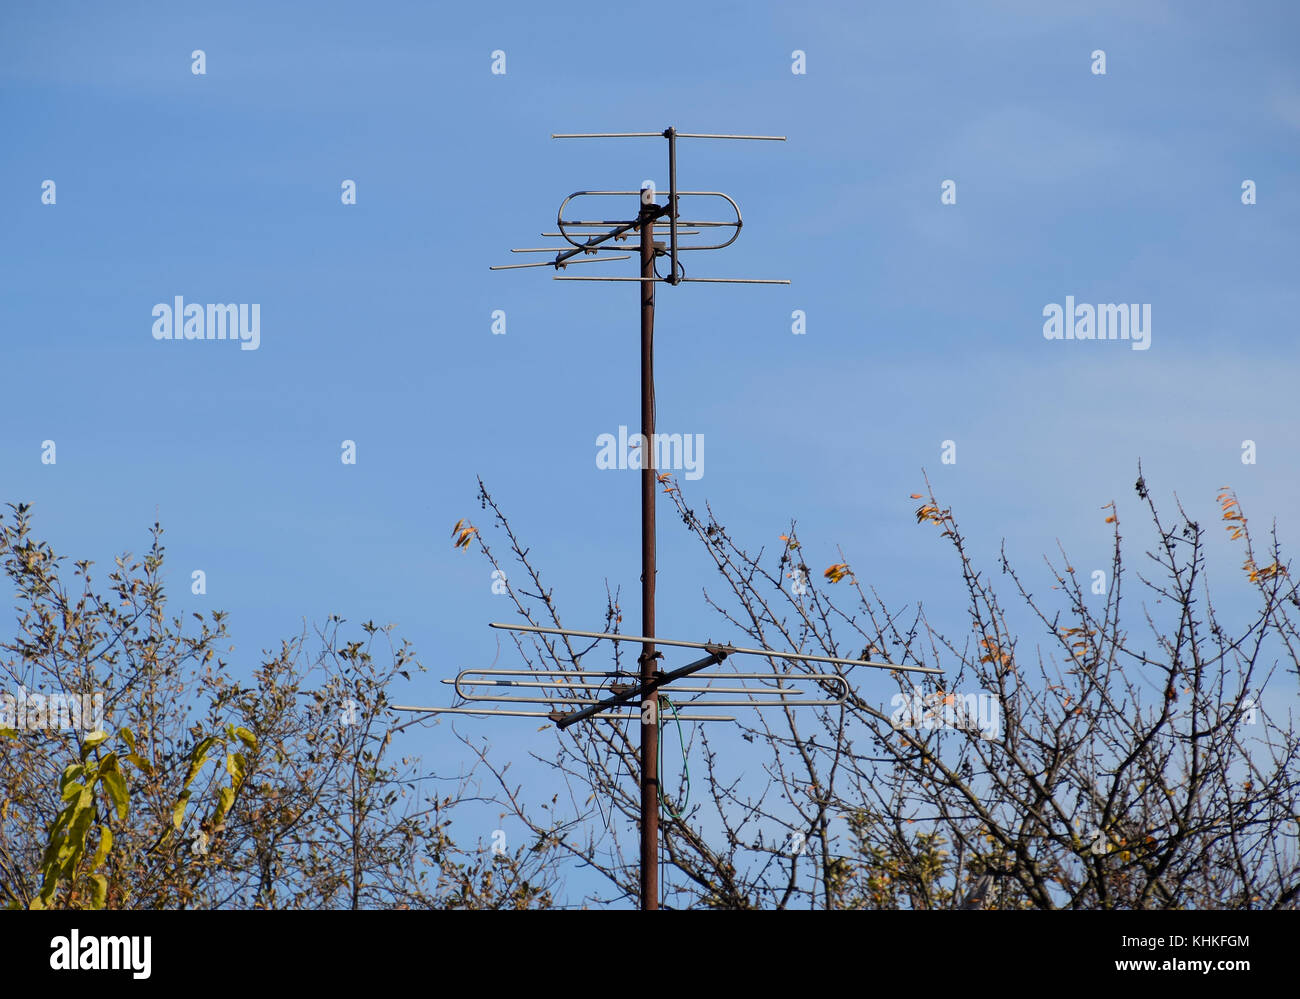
(649, 719)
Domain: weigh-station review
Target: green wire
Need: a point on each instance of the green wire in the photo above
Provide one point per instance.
(686, 768)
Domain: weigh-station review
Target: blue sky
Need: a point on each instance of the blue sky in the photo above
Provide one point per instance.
(924, 321)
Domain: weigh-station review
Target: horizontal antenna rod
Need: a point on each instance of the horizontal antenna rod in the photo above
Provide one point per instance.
(604, 222)
(714, 223)
(660, 135)
(620, 222)
(710, 646)
(677, 688)
(625, 677)
(680, 232)
(552, 263)
(615, 716)
(683, 281)
(711, 135)
(739, 281)
(747, 702)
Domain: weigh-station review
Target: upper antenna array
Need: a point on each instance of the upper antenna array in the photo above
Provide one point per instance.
(591, 238)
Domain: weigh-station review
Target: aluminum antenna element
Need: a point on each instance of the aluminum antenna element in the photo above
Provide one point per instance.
(731, 650)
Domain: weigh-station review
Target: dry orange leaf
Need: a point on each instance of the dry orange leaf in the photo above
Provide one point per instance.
(929, 511)
(463, 533)
(838, 571)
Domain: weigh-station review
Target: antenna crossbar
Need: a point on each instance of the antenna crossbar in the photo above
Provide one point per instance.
(558, 264)
(604, 716)
(730, 650)
(664, 280)
(661, 135)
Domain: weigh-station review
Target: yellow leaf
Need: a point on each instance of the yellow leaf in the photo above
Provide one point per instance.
(931, 512)
(837, 572)
(463, 533)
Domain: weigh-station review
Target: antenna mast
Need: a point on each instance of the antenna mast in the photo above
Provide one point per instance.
(648, 218)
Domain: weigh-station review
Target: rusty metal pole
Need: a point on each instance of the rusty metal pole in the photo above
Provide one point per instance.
(650, 706)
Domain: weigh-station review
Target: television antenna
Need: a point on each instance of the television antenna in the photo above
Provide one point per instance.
(568, 697)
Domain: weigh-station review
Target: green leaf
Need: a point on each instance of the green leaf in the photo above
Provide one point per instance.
(246, 737)
(128, 737)
(70, 781)
(227, 795)
(197, 758)
(92, 740)
(236, 766)
(74, 844)
(115, 785)
(105, 845)
(98, 891)
(56, 838)
(178, 811)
